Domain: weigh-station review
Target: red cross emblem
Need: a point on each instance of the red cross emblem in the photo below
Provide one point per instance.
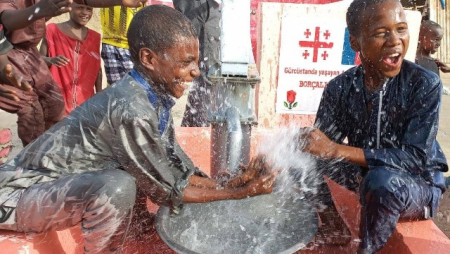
(316, 44)
(305, 54)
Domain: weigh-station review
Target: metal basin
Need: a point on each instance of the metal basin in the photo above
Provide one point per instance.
(263, 224)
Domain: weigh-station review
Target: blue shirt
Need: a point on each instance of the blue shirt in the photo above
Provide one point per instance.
(162, 104)
(405, 118)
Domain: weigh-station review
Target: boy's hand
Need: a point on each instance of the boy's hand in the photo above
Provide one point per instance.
(133, 3)
(16, 81)
(261, 185)
(442, 66)
(257, 167)
(7, 92)
(52, 8)
(317, 144)
(59, 61)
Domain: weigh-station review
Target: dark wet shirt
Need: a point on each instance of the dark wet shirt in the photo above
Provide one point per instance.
(402, 135)
(428, 64)
(115, 129)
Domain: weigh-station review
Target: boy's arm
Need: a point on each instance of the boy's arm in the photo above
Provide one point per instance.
(195, 194)
(318, 144)
(108, 3)
(43, 50)
(326, 141)
(442, 66)
(98, 81)
(21, 18)
(18, 19)
(58, 61)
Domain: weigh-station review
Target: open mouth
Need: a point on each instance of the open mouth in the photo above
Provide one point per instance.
(392, 60)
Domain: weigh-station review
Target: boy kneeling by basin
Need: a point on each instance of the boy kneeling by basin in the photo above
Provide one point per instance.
(90, 166)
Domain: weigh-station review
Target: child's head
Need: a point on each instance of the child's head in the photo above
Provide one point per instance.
(80, 14)
(430, 37)
(379, 32)
(164, 48)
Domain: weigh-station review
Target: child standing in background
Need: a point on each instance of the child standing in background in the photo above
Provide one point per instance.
(116, 56)
(430, 37)
(72, 52)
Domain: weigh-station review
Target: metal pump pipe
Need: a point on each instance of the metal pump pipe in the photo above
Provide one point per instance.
(232, 112)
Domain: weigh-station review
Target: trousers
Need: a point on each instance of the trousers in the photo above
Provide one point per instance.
(386, 195)
(102, 201)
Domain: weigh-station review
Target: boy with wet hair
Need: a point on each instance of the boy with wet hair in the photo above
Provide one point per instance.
(88, 168)
(430, 37)
(391, 134)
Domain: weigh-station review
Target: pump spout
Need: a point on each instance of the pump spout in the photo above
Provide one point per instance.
(235, 138)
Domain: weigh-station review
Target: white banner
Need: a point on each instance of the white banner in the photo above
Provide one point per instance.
(311, 54)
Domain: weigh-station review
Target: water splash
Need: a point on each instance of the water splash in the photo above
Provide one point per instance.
(298, 171)
(281, 222)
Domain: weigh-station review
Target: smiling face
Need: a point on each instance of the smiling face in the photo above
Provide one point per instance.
(176, 67)
(430, 39)
(80, 14)
(382, 40)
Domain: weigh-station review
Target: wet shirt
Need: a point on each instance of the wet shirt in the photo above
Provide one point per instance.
(115, 129)
(396, 126)
(115, 22)
(428, 64)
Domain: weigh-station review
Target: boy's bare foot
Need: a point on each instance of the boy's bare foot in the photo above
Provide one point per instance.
(333, 230)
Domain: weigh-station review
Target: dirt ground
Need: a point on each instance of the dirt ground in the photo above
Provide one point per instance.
(442, 218)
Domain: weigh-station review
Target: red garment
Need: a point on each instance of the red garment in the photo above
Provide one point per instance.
(77, 78)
